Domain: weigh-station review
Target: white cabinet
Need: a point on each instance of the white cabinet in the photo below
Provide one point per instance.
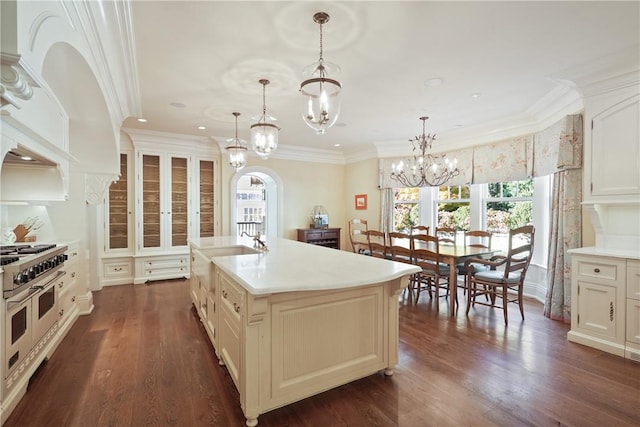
(68, 309)
(232, 298)
(204, 197)
(603, 315)
(611, 149)
(632, 350)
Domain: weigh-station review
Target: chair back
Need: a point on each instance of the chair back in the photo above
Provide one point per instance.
(426, 254)
(377, 243)
(358, 235)
(520, 251)
(477, 239)
(446, 235)
(400, 246)
(419, 229)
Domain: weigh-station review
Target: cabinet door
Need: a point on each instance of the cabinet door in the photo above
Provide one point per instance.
(615, 168)
(599, 311)
(204, 209)
(151, 202)
(119, 209)
(178, 209)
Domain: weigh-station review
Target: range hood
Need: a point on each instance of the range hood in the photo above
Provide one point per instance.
(27, 177)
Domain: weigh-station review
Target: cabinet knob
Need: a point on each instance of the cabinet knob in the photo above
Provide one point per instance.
(224, 294)
(596, 270)
(73, 274)
(236, 307)
(61, 312)
(60, 285)
(73, 298)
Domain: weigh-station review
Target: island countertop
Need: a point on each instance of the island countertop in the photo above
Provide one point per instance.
(289, 266)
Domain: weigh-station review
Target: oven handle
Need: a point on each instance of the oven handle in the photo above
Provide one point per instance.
(37, 288)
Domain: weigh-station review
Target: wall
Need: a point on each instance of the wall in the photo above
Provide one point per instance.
(305, 184)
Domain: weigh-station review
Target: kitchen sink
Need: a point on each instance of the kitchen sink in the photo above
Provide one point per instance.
(229, 250)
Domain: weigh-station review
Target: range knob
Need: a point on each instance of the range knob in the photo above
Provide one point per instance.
(24, 277)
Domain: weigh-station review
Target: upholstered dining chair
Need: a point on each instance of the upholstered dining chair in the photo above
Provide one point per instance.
(435, 274)
(474, 239)
(504, 273)
(358, 235)
(377, 244)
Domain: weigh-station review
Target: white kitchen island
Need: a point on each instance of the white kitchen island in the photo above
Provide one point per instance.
(296, 320)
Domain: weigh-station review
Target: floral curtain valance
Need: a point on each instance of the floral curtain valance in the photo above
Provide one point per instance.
(556, 148)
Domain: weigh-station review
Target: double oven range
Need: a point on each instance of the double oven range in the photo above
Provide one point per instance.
(32, 274)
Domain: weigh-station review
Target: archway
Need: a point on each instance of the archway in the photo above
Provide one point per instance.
(271, 187)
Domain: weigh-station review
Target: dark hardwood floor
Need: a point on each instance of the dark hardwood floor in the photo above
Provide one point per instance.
(143, 358)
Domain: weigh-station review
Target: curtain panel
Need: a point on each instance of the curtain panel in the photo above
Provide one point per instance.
(556, 148)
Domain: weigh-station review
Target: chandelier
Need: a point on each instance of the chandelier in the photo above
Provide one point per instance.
(320, 101)
(237, 151)
(424, 169)
(264, 133)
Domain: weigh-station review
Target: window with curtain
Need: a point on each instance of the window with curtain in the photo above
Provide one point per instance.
(406, 204)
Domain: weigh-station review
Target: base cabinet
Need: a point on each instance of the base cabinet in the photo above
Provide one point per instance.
(68, 309)
(328, 237)
(161, 267)
(602, 314)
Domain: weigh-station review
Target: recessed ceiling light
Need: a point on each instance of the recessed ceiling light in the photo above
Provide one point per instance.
(141, 120)
(178, 104)
(336, 145)
(433, 82)
(475, 95)
(202, 127)
(458, 126)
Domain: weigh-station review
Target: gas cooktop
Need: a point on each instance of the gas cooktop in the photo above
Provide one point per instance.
(25, 249)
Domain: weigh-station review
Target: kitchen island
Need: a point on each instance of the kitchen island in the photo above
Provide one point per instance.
(296, 320)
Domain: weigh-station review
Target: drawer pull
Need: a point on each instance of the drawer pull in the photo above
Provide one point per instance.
(596, 270)
(611, 311)
(60, 285)
(73, 298)
(117, 269)
(236, 307)
(73, 274)
(61, 312)
(224, 294)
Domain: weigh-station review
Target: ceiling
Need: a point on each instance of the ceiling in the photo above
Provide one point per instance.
(198, 61)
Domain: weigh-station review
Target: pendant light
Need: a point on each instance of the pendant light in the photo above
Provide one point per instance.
(320, 100)
(237, 151)
(264, 133)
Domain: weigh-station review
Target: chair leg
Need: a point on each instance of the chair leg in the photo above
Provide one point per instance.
(520, 301)
(504, 304)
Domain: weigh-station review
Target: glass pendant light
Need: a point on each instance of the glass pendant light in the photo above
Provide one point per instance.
(237, 151)
(264, 133)
(320, 100)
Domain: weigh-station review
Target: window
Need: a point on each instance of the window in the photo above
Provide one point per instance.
(252, 214)
(406, 212)
(453, 208)
(508, 205)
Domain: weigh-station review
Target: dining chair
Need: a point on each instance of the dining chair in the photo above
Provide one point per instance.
(446, 235)
(400, 250)
(377, 244)
(435, 274)
(474, 239)
(419, 229)
(504, 274)
(357, 235)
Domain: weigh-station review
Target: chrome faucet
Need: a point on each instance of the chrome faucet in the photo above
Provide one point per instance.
(257, 242)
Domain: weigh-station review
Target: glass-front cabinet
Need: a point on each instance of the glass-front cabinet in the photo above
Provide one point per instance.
(164, 195)
(118, 208)
(205, 205)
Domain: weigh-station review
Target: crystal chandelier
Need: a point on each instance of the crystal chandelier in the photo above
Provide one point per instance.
(237, 151)
(264, 133)
(320, 101)
(424, 169)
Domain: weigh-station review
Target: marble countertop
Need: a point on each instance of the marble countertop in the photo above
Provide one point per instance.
(295, 266)
(610, 252)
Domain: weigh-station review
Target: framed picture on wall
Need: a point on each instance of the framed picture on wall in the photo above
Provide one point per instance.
(361, 201)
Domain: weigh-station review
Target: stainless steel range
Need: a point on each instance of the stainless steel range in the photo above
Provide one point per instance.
(26, 264)
(31, 278)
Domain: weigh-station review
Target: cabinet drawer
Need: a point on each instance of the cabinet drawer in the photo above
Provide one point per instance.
(117, 269)
(330, 235)
(601, 270)
(162, 263)
(231, 296)
(633, 280)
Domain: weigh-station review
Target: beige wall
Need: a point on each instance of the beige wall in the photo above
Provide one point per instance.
(305, 184)
(362, 178)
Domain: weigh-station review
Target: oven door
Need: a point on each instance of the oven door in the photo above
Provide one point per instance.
(44, 308)
(17, 330)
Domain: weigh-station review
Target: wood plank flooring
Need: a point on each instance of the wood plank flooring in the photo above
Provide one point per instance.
(143, 359)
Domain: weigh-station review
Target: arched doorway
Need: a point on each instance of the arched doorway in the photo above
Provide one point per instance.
(256, 197)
